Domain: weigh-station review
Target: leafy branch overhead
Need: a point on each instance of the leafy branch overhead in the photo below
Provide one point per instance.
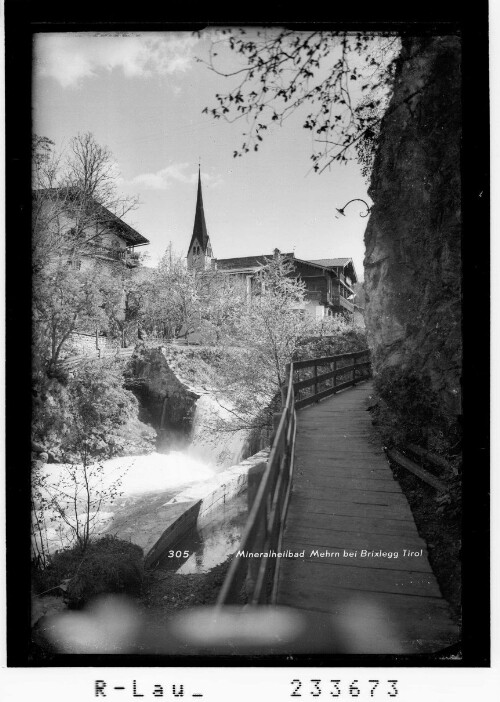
(340, 82)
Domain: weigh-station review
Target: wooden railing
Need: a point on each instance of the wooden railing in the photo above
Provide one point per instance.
(107, 252)
(340, 301)
(344, 370)
(255, 577)
(263, 531)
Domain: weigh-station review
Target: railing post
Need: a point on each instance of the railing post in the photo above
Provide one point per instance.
(284, 387)
(276, 421)
(334, 377)
(315, 377)
(354, 371)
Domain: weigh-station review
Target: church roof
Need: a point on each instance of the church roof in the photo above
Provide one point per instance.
(200, 227)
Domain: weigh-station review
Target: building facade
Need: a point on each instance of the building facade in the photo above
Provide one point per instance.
(329, 281)
(86, 231)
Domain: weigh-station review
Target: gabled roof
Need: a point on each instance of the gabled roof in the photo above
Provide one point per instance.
(200, 227)
(247, 261)
(331, 262)
(337, 263)
(101, 213)
(131, 236)
(252, 262)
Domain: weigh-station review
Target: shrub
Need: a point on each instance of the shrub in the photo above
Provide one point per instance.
(332, 336)
(92, 405)
(108, 564)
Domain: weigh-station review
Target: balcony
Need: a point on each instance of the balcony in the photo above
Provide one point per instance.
(133, 259)
(342, 302)
(313, 296)
(106, 252)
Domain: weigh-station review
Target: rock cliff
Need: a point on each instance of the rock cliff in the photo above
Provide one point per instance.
(165, 402)
(413, 245)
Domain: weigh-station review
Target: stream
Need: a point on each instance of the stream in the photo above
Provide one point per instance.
(131, 495)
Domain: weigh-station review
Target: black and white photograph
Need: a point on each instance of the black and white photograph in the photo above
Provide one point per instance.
(248, 439)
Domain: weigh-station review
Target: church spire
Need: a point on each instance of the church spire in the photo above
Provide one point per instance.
(200, 241)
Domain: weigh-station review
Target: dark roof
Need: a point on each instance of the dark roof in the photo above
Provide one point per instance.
(131, 236)
(102, 214)
(200, 227)
(246, 261)
(337, 263)
(331, 262)
(255, 261)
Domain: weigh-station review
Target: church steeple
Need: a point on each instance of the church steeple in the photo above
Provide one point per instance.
(199, 249)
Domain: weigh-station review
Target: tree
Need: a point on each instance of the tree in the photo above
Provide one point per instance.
(74, 201)
(72, 501)
(222, 301)
(87, 418)
(65, 300)
(266, 334)
(167, 299)
(343, 79)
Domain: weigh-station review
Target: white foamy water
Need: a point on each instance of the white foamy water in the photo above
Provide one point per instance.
(156, 471)
(138, 475)
(139, 478)
(220, 448)
(141, 474)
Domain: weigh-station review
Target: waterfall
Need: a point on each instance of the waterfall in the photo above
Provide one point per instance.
(190, 450)
(163, 411)
(219, 448)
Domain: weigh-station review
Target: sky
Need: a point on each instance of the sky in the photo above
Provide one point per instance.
(142, 96)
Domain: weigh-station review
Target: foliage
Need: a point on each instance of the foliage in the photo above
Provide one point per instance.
(166, 298)
(343, 79)
(222, 300)
(109, 564)
(65, 300)
(330, 336)
(173, 301)
(74, 203)
(91, 407)
(83, 421)
(265, 336)
(75, 200)
(366, 146)
(72, 502)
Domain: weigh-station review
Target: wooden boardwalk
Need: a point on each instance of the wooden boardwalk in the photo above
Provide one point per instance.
(344, 506)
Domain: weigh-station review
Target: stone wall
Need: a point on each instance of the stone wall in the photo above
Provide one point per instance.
(203, 503)
(81, 344)
(413, 238)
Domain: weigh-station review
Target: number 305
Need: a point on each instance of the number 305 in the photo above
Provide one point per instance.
(178, 554)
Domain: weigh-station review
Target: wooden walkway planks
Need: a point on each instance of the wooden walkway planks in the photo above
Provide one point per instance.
(347, 520)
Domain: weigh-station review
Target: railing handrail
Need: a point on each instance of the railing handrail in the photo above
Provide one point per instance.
(310, 362)
(268, 505)
(271, 500)
(360, 369)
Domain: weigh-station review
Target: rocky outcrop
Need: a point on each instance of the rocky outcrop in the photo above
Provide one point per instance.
(55, 415)
(412, 260)
(166, 403)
